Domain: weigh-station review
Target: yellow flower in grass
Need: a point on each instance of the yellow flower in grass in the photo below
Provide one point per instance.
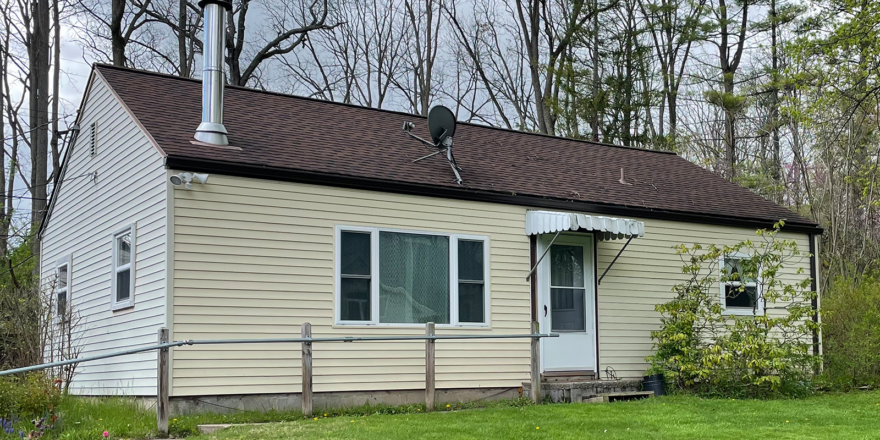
(786, 421)
(448, 405)
(316, 418)
(537, 427)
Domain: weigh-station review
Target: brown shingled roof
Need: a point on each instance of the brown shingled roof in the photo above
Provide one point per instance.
(282, 132)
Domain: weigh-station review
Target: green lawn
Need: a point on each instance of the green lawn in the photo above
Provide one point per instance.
(838, 417)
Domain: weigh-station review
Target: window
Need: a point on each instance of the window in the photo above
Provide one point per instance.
(393, 277)
(93, 139)
(122, 283)
(740, 295)
(567, 290)
(62, 286)
(471, 281)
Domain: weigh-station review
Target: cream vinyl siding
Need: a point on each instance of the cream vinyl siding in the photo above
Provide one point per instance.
(130, 190)
(644, 275)
(254, 259)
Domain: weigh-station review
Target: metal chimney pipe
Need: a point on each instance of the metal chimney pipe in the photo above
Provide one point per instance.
(211, 130)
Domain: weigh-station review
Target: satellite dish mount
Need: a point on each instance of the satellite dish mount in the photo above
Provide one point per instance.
(441, 125)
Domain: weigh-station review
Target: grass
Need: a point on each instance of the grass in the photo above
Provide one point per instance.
(838, 417)
(835, 416)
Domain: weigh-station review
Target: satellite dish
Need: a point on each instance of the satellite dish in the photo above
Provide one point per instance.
(441, 124)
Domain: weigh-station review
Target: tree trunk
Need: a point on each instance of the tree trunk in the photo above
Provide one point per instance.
(595, 116)
(183, 59)
(776, 172)
(38, 52)
(117, 40)
(729, 129)
(56, 82)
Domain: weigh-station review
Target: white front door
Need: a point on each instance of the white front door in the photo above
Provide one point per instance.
(567, 306)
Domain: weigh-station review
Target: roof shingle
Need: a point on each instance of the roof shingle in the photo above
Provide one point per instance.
(289, 132)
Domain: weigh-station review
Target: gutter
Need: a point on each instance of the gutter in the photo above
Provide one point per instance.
(288, 175)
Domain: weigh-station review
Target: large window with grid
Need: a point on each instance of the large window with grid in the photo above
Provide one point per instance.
(397, 277)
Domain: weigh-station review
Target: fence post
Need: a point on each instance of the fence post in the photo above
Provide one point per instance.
(536, 370)
(429, 367)
(162, 383)
(307, 370)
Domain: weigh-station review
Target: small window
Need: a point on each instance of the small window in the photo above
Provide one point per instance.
(471, 282)
(62, 286)
(93, 139)
(355, 271)
(401, 277)
(122, 283)
(740, 295)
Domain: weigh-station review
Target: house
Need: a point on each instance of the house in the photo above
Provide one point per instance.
(315, 212)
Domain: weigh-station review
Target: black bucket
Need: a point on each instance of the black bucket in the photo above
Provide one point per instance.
(655, 383)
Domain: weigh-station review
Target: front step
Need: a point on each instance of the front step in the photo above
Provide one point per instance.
(587, 391)
(619, 397)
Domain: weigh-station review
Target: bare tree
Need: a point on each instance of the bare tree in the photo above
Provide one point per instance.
(355, 62)
(674, 27)
(729, 25)
(547, 30)
(288, 24)
(490, 45)
(38, 46)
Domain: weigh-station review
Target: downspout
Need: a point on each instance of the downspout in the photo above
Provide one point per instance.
(814, 286)
(211, 130)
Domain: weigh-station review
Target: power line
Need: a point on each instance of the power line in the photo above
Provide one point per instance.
(38, 127)
(17, 265)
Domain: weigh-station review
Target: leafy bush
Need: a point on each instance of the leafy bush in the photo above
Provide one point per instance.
(28, 405)
(701, 349)
(851, 332)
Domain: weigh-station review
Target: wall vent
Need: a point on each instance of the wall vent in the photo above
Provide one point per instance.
(93, 139)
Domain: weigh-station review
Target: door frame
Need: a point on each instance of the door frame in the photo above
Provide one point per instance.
(541, 288)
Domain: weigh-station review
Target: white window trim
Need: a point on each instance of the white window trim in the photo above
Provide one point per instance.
(63, 261)
(374, 278)
(743, 311)
(118, 305)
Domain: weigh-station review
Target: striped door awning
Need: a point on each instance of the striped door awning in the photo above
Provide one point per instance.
(610, 228)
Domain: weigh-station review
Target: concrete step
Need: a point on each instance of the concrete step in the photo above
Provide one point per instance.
(585, 391)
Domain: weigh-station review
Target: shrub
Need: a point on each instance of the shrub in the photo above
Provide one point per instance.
(851, 332)
(28, 404)
(701, 349)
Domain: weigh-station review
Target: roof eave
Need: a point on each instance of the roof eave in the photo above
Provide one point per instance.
(338, 180)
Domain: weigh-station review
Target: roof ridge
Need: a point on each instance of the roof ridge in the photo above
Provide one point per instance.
(323, 101)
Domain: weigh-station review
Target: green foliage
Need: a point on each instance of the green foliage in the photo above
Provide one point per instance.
(702, 350)
(33, 395)
(727, 101)
(28, 405)
(851, 333)
(18, 268)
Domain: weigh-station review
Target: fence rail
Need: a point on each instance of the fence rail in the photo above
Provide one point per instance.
(164, 345)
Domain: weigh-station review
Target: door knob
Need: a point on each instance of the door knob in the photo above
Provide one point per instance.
(545, 310)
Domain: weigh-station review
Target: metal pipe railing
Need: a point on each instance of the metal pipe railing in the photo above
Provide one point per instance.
(90, 358)
(307, 340)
